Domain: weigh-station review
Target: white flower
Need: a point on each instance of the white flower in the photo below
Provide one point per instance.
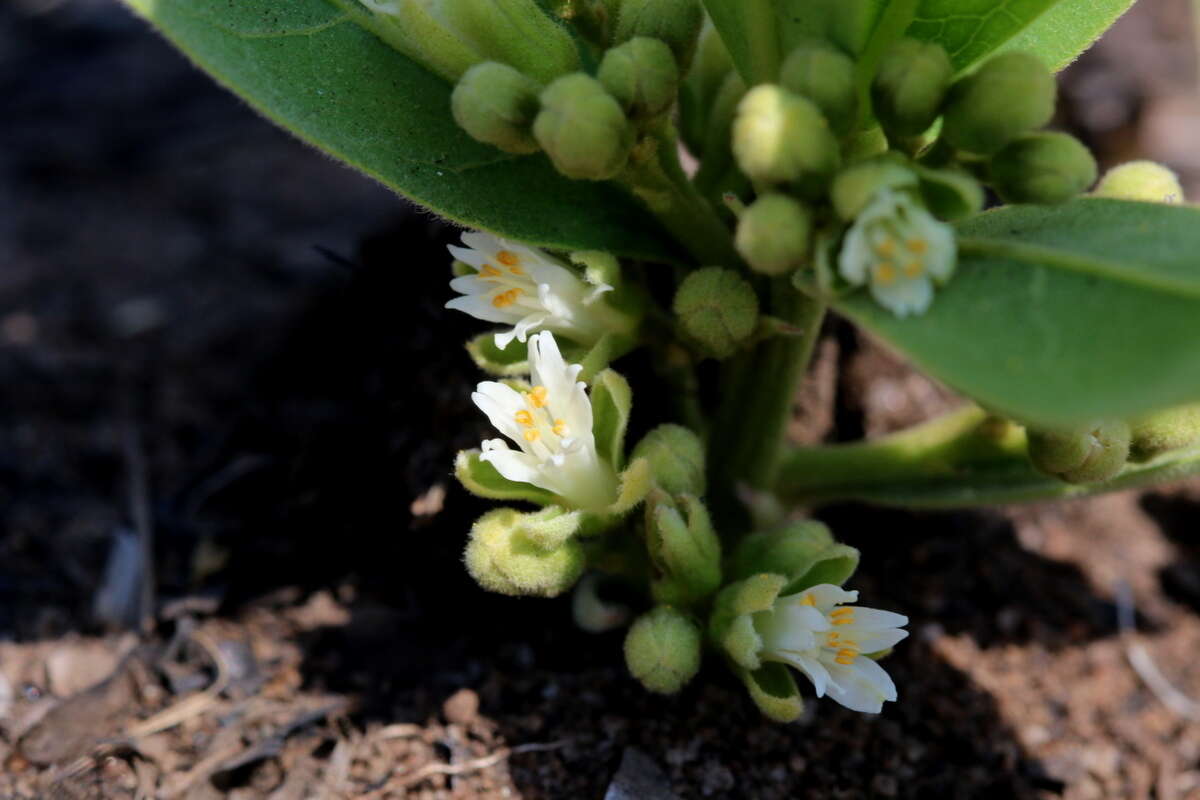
(901, 250)
(827, 641)
(527, 289)
(552, 425)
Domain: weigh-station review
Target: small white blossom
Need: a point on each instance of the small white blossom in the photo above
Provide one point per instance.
(527, 289)
(827, 641)
(901, 250)
(552, 425)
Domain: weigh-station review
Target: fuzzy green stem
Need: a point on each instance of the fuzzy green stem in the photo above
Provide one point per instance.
(965, 458)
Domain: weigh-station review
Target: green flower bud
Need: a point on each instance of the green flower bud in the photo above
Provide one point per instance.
(1141, 180)
(804, 552)
(1090, 455)
(583, 129)
(676, 22)
(780, 137)
(774, 234)
(857, 185)
(909, 87)
(717, 309)
(525, 554)
(662, 650)
(683, 547)
(641, 74)
(1042, 168)
(1009, 95)
(516, 32)
(676, 457)
(1164, 431)
(825, 75)
(496, 105)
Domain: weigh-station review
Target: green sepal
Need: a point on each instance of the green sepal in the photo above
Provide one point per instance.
(731, 626)
(611, 401)
(636, 483)
(510, 362)
(607, 349)
(481, 478)
(949, 194)
(598, 267)
(805, 552)
(773, 690)
(684, 548)
(525, 554)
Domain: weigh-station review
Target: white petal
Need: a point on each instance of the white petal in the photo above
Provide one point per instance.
(823, 596)
(861, 686)
(873, 641)
(515, 466)
(500, 403)
(472, 258)
(814, 670)
(469, 284)
(905, 296)
(874, 619)
(481, 308)
(568, 399)
(483, 242)
(943, 250)
(855, 259)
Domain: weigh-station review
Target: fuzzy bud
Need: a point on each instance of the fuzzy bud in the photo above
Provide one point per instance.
(583, 129)
(1090, 455)
(683, 547)
(1141, 180)
(1043, 168)
(909, 87)
(717, 309)
(662, 650)
(676, 22)
(496, 105)
(642, 75)
(804, 552)
(525, 554)
(780, 137)
(1009, 95)
(774, 234)
(1164, 431)
(857, 185)
(676, 458)
(825, 75)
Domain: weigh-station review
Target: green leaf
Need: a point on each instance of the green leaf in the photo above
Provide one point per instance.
(1062, 315)
(1056, 31)
(311, 67)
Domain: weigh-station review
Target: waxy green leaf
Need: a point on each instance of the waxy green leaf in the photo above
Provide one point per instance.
(1062, 315)
(313, 68)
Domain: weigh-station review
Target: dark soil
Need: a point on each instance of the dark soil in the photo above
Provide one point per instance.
(192, 301)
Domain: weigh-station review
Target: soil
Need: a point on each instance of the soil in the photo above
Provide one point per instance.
(212, 333)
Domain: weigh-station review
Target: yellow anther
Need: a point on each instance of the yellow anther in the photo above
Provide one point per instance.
(885, 273)
(560, 427)
(506, 298)
(842, 616)
(516, 270)
(532, 435)
(886, 248)
(538, 396)
(525, 418)
(808, 600)
(508, 258)
(488, 271)
(917, 246)
(846, 656)
(842, 611)
(912, 269)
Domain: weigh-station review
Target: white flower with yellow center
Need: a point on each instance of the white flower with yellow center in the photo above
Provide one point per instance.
(900, 250)
(527, 289)
(828, 641)
(552, 425)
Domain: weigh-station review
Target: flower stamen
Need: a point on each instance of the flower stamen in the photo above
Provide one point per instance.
(538, 396)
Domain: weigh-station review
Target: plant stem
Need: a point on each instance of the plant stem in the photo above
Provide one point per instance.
(965, 458)
(747, 437)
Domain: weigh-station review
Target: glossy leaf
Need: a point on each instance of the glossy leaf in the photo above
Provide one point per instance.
(1062, 315)
(1056, 31)
(313, 68)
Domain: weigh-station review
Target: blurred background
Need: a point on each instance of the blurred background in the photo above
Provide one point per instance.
(229, 539)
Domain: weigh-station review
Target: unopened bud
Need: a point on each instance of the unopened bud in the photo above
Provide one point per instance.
(676, 22)
(804, 552)
(1092, 454)
(1141, 180)
(910, 86)
(683, 547)
(676, 457)
(662, 650)
(774, 234)
(1009, 95)
(583, 129)
(857, 185)
(825, 75)
(496, 105)
(1164, 431)
(717, 309)
(506, 555)
(780, 137)
(1042, 168)
(642, 75)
